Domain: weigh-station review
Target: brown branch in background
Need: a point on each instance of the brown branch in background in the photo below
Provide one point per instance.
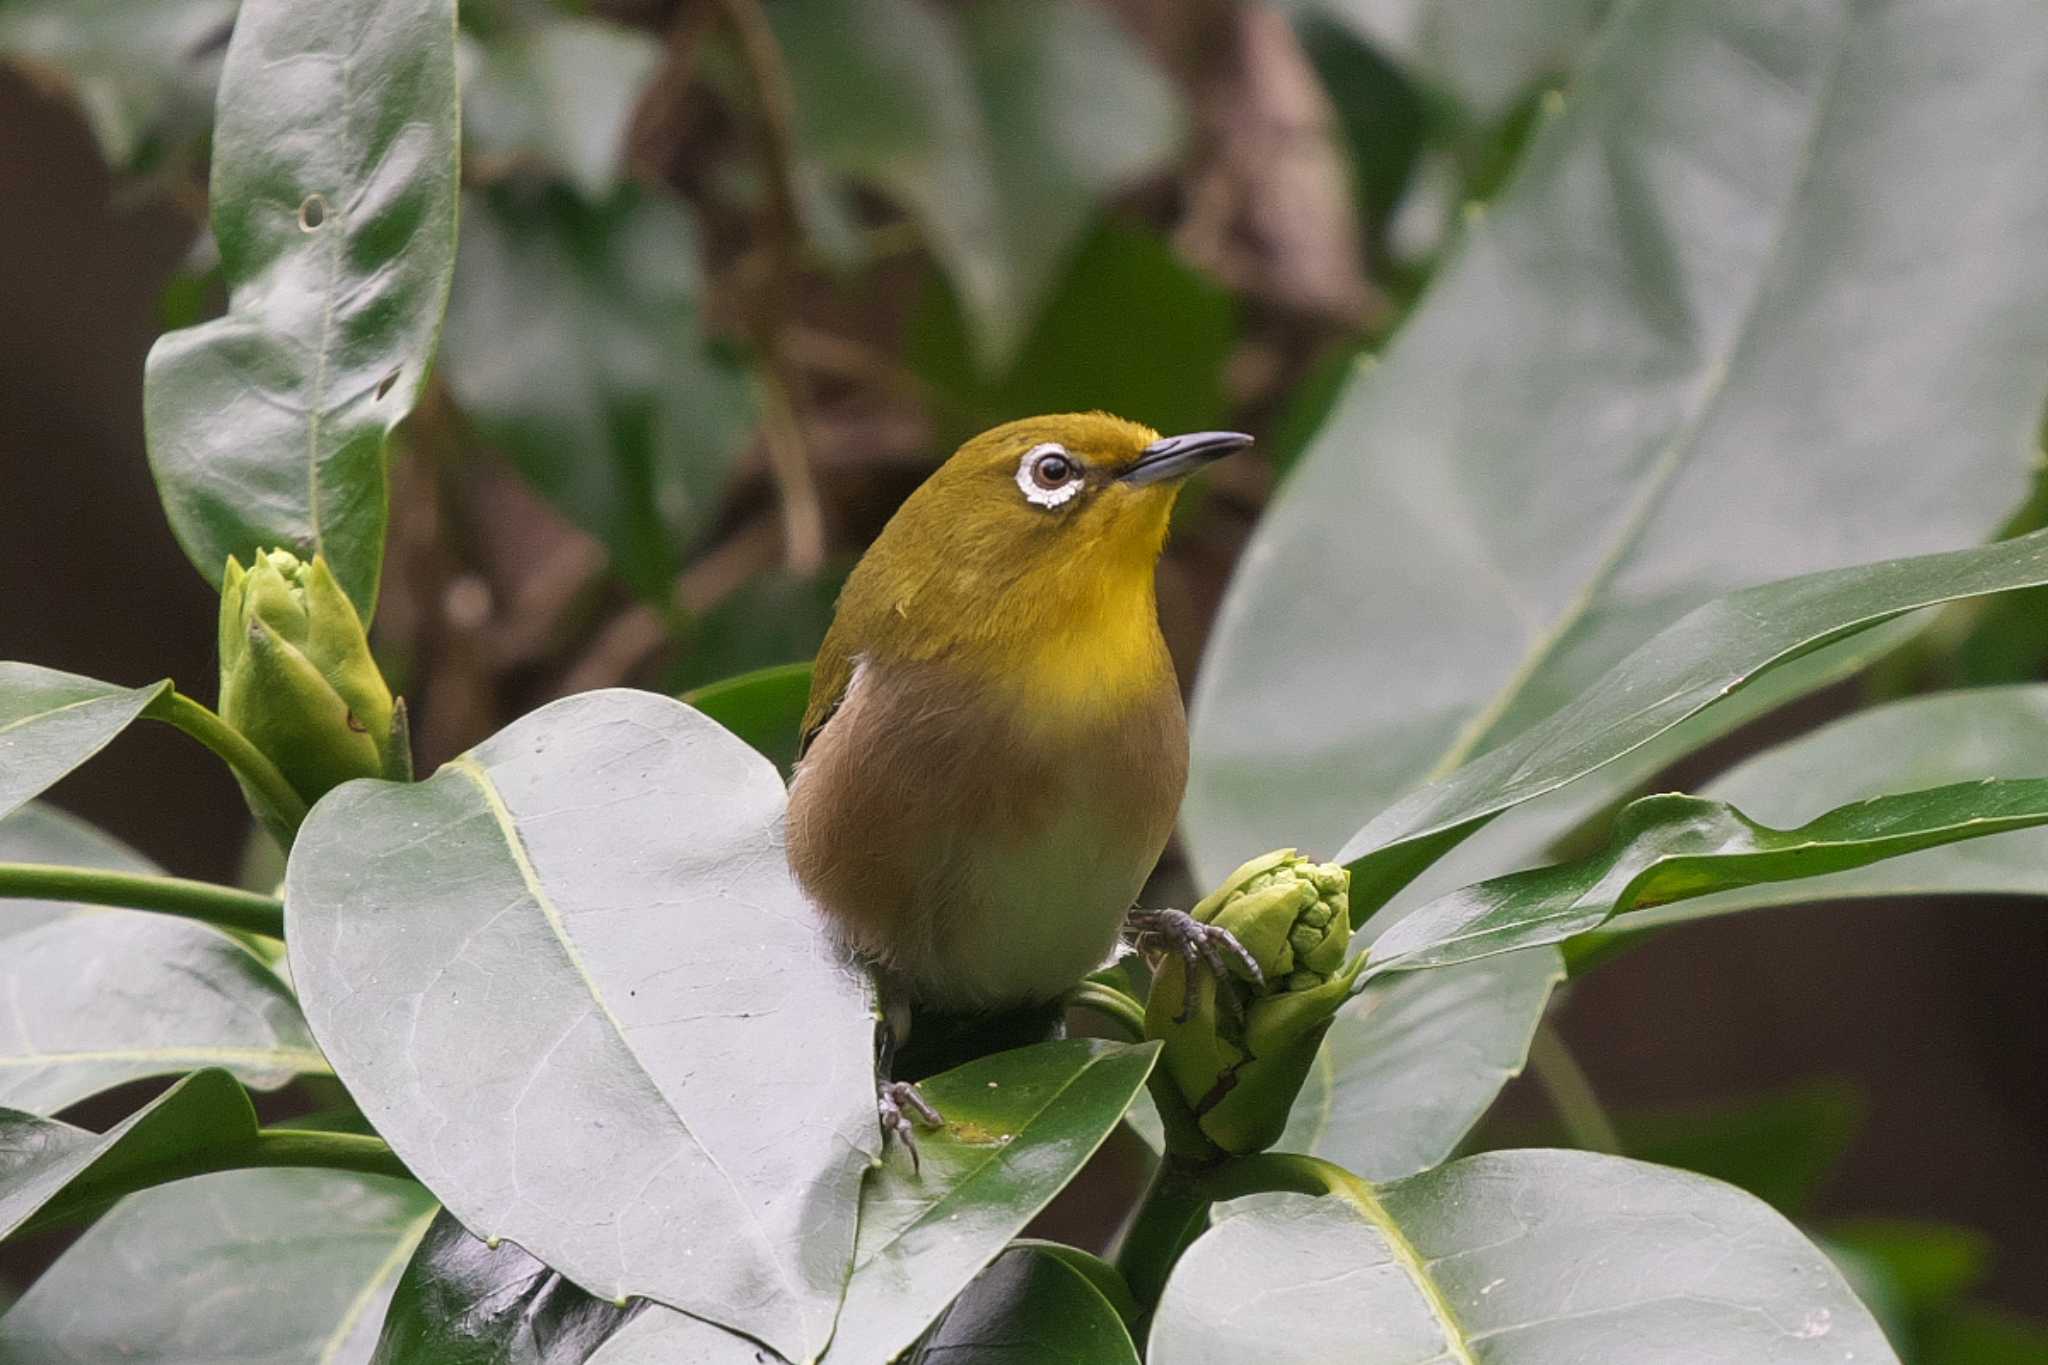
(781, 393)
(659, 123)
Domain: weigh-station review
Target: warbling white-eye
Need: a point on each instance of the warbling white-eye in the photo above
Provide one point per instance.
(994, 751)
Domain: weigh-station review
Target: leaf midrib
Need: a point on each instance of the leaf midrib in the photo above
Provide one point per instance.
(1664, 471)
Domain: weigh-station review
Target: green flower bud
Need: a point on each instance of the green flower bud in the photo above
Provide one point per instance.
(1242, 1053)
(297, 678)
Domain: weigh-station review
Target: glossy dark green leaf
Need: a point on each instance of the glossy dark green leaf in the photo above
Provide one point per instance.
(259, 1267)
(579, 946)
(575, 345)
(1018, 1126)
(1131, 329)
(142, 71)
(1029, 1307)
(1668, 848)
(765, 708)
(558, 92)
(1513, 1258)
(41, 833)
(51, 722)
(334, 182)
(100, 998)
(1919, 742)
(1412, 1064)
(41, 1158)
(1656, 371)
(463, 1302)
(999, 127)
(1712, 651)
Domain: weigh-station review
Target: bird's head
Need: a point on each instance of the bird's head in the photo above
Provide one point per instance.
(1036, 541)
(1083, 489)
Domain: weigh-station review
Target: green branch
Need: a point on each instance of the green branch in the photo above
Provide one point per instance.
(1111, 1004)
(269, 1147)
(259, 776)
(224, 907)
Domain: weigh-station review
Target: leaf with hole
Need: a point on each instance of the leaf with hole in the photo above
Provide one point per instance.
(1676, 357)
(261, 1267)
(1513, 1258)
(333, 199)
(625, 1045)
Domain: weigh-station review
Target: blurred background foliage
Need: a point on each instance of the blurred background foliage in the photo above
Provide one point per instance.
(734, 275)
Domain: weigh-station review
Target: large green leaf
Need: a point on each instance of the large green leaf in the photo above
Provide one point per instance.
(575, 345)
(464, 1302)
(99, 999)
(661, 1336)
(1671, 847)
(559, 91)
(765, 708)
(1677, 356)
(41, 1158)
(143, 71)
(40, 833)
(999, 127)
(1018, 1126)
(1412, 1064)
(334, 182)
(1487, 56)
(579, 947)
(51, 722)
(1708, 654)
(1030, 1307)
(1513, 1258)
(260, 1267)
(1919, 742)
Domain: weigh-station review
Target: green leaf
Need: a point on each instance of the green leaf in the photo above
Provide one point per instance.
(1711, 652)
(51, 722)
(1409, 1067)
(999, 127)
(260, 1267)
(334, 181)
(142, 71)
(1018, 1126)
(1667, 848)
(98, 999)
(1985, 1336)
(765, 708)
(1412, 1064)
(462, 1302)
(1513, 1258)
(609, 981)
(1029, 1307)
(561, 92)
(1131, 329)
(575, 344)
(41, 1158)
(1485, 56)
(1656, 371)
(40, 833)
(1919, 742)
(661, 1336)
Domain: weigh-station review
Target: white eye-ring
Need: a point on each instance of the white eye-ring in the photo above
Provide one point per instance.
(1048, 476)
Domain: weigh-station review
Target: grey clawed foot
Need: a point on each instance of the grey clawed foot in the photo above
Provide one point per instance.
(898, 1102)
(1198, 944)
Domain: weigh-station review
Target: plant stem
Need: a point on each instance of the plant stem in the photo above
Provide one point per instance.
(1111, 1004)
(259, 775)
(265, 1148)
(225, 907)
(1571, 1094)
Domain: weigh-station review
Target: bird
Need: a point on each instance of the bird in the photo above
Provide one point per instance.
(994, 750)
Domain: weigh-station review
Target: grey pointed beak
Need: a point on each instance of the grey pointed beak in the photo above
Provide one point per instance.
(1177, 456)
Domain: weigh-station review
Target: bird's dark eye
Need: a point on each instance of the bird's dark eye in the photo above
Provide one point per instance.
(1051, 469)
